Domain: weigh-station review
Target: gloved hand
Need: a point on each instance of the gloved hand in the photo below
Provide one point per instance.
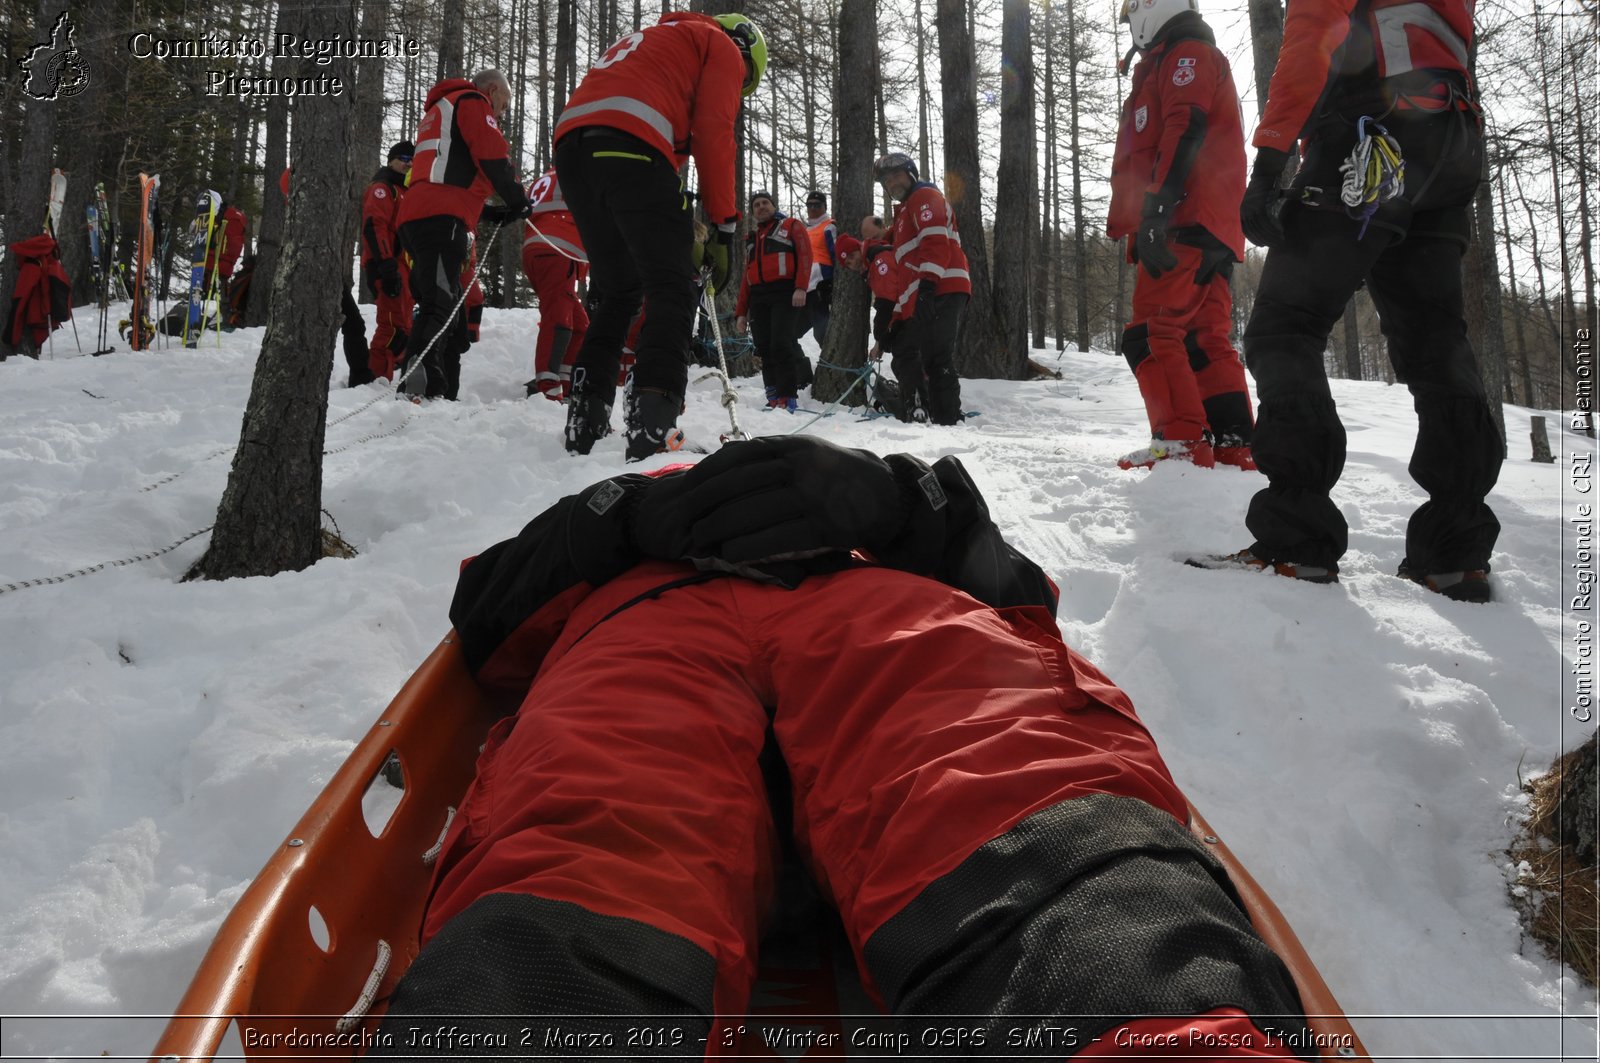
(1261, 211)
(1150, 242)
(386, 276)
(773, 498)
(510, 212)
(718, 251)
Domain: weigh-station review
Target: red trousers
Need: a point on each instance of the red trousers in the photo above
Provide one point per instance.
(393, 329)
(628, 783)
(562, 319)
(1177, 344)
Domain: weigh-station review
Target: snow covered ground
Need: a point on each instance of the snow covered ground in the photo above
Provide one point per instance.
(1359, 746)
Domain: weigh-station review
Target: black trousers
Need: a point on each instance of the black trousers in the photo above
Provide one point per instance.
(773, 322)
(1410, 259)
(353, 329)
(438, 250)
(638, 230)
(924, 350)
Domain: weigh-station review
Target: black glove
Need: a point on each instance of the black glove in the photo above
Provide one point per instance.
(508, 213)
(386, 276)
(718, 251)
(1150, 243)
(1261, 212)
(773, 498)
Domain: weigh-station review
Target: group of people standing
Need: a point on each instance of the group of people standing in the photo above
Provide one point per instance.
(614, 209)
(1360, 85)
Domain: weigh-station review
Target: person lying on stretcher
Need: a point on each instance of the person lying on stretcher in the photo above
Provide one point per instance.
(999, 835)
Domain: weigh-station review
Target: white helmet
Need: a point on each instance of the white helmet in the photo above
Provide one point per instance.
(1147, 17)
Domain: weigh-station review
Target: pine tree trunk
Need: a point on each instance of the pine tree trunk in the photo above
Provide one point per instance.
(1080, 248)
(1518, 333)
(1013, 206)
(1266, 40)
(452, 61)
(848, 326)
(269, 239)
(1352, 342)
(269, 520)
(980, 348)
(30, 192)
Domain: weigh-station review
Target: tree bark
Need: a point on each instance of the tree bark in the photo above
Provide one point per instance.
(1266, 40)
(269, 238)
(980, 347)
(1352, 342)
(452, 61)
(269, 520)
(30, 191)
(1080, 223)
(847, 329)
(1014, 197)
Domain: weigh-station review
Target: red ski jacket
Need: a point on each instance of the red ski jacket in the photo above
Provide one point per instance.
(461, 159)
(1181, 137)
(883, 273)
(778, 251)
(550, 230)
(227, 241)
(1363, 56)
(676, 86)
(927, 246)
(380, 216)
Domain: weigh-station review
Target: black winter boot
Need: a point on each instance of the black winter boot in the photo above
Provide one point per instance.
(652, 422)
(588, 415)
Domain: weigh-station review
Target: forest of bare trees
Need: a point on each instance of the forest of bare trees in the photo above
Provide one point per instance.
(1010, 105)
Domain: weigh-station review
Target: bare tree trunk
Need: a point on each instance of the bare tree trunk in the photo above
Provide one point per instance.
(452, 63)
(980, 347)
(847, 330)
(269, 239)
(1266, 40)
(924, 104)
(30, 192)
(269, 520)
(1352, 342)
(1516, 298)
(1044, 261)
(1080, 224)
(1013, 209)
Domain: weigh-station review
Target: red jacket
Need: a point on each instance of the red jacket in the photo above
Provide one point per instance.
(1386, 50)
(1182, 89)
(927, 246)
(380, 216)
(41, 300)
(676, 86)
(227, 240)
(778, 251)
(550, 230)
(461, 157)
(883, 273)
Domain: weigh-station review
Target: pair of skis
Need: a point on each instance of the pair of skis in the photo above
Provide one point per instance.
(207, 209)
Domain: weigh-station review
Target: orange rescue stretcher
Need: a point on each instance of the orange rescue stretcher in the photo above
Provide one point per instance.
(331, 921)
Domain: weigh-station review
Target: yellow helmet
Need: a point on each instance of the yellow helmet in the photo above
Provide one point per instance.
(747, 35)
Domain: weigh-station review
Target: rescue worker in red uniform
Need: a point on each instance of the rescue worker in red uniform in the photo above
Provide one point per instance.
(1176, 174)
(933, 269)
(1406, 66)
(384, 262)
(989, 817)
(772, 297)
(656, 97)
(227, 242)
(554, 262)
(876, 259)
(461, 160)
